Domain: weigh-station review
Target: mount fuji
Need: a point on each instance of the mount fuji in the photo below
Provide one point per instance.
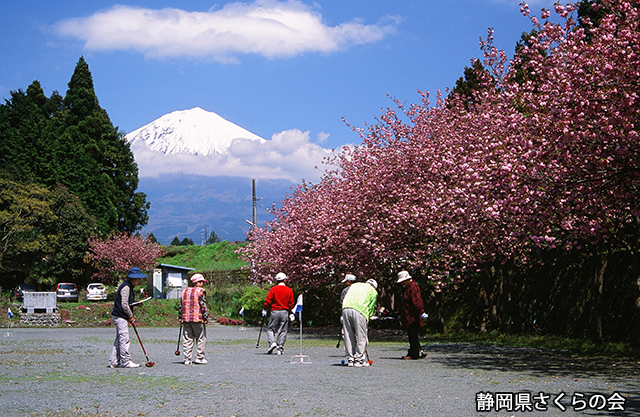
(181, 158)
(195, 131)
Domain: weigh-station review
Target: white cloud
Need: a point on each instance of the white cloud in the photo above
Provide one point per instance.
(323, 136)
(288, 155)
(266, 27)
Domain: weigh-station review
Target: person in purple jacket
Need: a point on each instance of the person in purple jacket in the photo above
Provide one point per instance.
(412, 314)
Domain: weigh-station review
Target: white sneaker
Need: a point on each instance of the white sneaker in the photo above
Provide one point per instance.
(187, 362)
(272, 347)
(131, 365)
(280, 352)
(200, 361)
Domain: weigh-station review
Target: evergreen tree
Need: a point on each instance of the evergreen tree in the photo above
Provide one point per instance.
(470, 84)
(71, 141)
(121, 207)
(80, 100)
(26, 134)
(175, 241)
(526, 41)
(186, 242)
(213, 238)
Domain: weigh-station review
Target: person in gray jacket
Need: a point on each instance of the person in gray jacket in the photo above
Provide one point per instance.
(123, 315)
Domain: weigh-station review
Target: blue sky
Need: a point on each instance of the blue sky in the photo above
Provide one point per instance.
(291, 69)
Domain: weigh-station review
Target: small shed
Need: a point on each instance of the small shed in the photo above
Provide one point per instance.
(169, 281)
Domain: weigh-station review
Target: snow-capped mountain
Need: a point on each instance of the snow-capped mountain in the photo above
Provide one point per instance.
(195, 131)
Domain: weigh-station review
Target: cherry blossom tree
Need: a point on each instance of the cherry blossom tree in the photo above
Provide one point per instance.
(545, 156)
(114, 256)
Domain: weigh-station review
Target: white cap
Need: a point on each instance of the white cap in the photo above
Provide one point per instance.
(348, 277)
(373, 283)
(281, 276)
(197, 278)
(403, 276)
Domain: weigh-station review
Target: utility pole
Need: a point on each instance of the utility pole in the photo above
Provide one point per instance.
(255, 204)
(255, 207)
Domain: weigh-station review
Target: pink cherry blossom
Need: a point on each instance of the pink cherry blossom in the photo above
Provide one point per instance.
(114, 256)
(547, 160)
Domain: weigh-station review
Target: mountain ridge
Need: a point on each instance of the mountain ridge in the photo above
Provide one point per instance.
(185, 204)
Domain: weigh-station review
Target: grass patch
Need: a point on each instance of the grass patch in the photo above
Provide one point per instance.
(215, 257)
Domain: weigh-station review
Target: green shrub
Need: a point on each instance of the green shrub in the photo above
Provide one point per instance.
(224, 301)
(158, 313)
(252, 300)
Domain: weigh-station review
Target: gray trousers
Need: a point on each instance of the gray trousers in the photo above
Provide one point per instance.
(277, 328)
(194, 333)
(120, 352)
(356, 338)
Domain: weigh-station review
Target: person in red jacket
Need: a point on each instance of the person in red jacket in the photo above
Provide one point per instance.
(412, 314)
(280, 302)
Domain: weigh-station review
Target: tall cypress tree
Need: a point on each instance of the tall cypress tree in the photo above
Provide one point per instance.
(80, 100)
(106, 148)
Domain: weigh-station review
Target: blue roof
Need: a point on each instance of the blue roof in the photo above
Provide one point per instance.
(177, 267)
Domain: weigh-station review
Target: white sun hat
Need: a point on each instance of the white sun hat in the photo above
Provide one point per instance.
(403, 276)
(348, 277)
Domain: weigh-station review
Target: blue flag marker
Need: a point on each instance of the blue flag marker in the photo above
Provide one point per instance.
(242, 311)
(298, 307)
(10, 314)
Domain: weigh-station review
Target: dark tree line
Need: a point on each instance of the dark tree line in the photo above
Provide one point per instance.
(213, 238)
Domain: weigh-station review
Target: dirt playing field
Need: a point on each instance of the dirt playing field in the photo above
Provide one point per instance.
(63, 372)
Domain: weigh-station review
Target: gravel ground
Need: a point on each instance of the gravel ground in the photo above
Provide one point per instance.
(63, 372)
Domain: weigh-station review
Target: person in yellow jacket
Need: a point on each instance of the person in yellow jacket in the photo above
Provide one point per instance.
(357, 308)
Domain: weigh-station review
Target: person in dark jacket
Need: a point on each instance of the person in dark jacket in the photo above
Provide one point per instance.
(412, 314)
(347, 281)
(122, 314)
